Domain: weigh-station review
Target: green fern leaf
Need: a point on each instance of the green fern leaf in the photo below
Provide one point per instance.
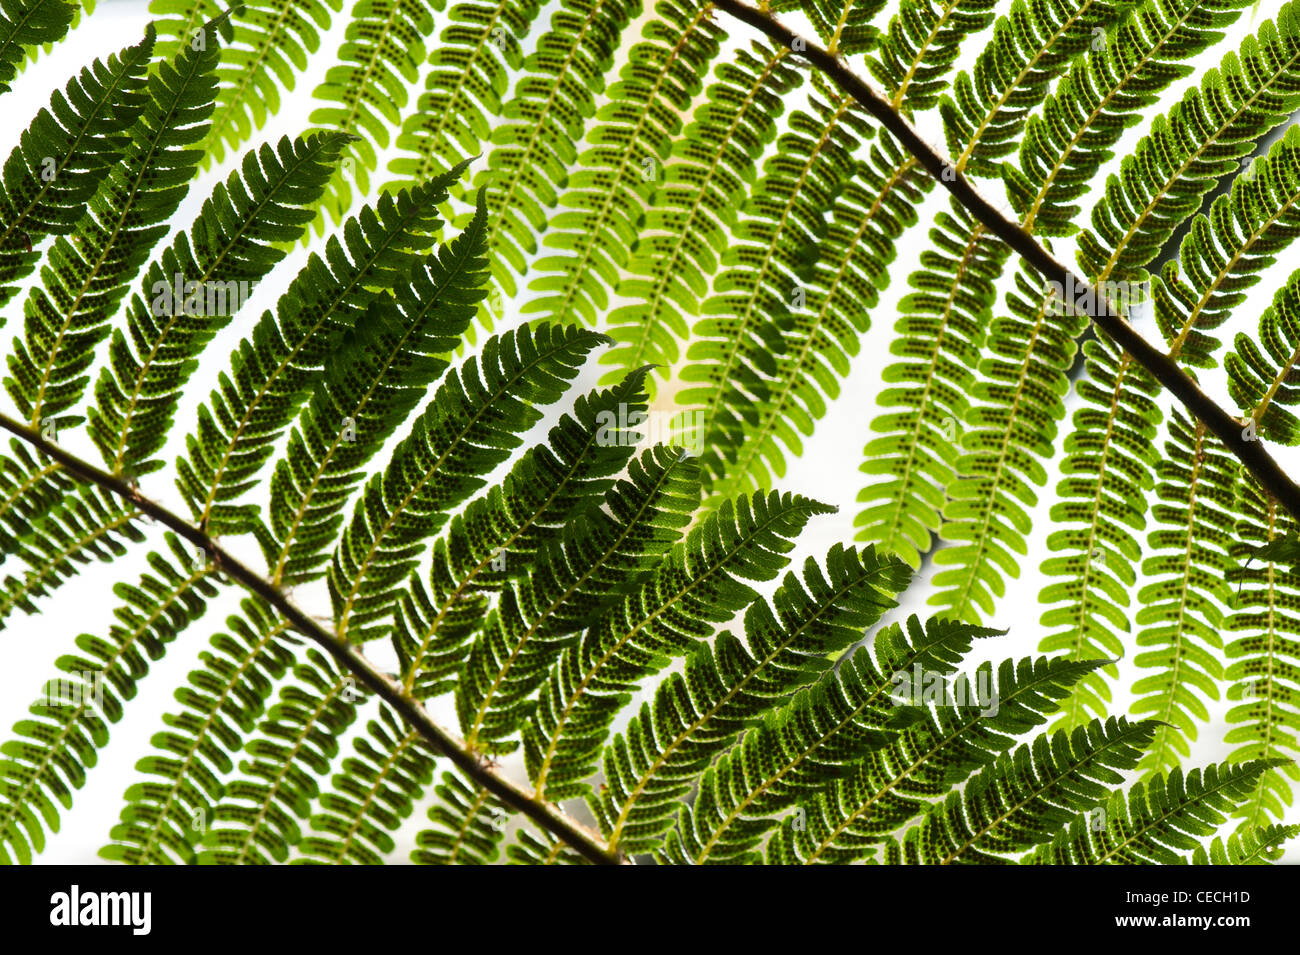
(699, 584)
(167, 328)
(64, 155)
(1150, 823)
(68, 315)
(471, 426)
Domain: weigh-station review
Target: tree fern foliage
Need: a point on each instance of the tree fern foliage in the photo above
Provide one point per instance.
(451, 594)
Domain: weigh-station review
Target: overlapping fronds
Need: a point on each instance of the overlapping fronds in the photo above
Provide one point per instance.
(811, 741)
(1026, 796)
(64, 155)
(53, 751)
(83, 524)
(1020, 393)
(375, 791)
(261, 814)
(270, 45)
(194, 289)
(596, 559)
(1156, 820)
(1111, 453)
(273, 370)
(985, 111)
(167, 813)
(938, 334)
(468, 78)
(380, 373)
(1263, 653)
(67, 315)
(763, 287)
(1181, 615)
(692, 211)
(975, 719)
(1123, 73)
(1163, 182)
(590, 234)
(382, 52)
(473, 423)
(700, 584)
(536, 144)
(824, 333)
(697, 714)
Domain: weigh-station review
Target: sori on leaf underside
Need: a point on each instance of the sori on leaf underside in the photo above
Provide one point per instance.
(624, 617)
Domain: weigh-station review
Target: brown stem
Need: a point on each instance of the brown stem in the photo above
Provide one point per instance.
(1225, 427)
(546, 815)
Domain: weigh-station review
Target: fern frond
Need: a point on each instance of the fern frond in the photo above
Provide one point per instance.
(600, 210)
(68, 314)
(228, 250)
(1025, 797)
(916, 54)
(873, 211)
(593, 562)
(25, 24)
(731, 358)
(691, 214)
(385, 364)
(260, 814)
(469, 77)
(1249, 847)
(891, 786)
(696, 715)
(1181, 612)
(699, 585)
(813, 740)
(1201, 140)
(1107, 474)
(55, 750)
(985, 112)
(468, 826)
(1263, 671)
(1155, 820)
(1262, 373)
(545, 118)
(1105, 93)
(269, 46)
(374, 793)
(474, 421)
(939, 335)
(382, 52)
(1020, 393)
(85, 524)
(166, 815)
(273, 371)
(64, 155)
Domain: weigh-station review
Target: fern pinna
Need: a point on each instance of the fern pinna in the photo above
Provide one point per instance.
(469, 600)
